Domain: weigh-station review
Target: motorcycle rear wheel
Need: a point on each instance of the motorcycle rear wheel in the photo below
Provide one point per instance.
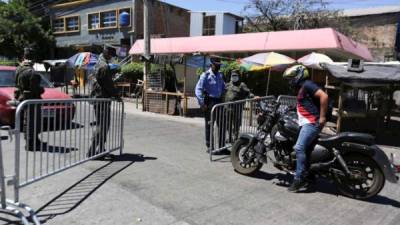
(369, 185)
(239, 155)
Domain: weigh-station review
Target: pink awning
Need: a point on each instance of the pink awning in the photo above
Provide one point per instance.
(327, 40)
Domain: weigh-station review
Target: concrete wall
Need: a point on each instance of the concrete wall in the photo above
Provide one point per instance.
(219, 24)
(167, 20)
(378, 32)
(196, 24)
(229, 24)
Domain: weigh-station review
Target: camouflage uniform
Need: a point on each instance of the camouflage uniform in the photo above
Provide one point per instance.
(103, 87)
(28, 87)
(235, 92)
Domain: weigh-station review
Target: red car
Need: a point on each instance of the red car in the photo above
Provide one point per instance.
(55, 112)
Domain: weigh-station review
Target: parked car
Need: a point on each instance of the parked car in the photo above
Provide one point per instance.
(53, 112)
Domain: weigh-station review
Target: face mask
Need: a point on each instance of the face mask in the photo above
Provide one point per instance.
(235, 79)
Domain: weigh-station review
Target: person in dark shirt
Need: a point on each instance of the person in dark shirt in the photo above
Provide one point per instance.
(235, 90)
(27, 83)
(312, 106)
(103, 87)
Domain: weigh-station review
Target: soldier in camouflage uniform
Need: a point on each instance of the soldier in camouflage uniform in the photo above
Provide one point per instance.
(103, 87)
(235, 91)
(28, 87)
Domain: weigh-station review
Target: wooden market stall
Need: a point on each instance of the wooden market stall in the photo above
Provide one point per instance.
(292, 43)
(371, 93)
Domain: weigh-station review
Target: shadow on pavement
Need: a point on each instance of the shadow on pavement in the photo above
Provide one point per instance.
(322, 186)
(73, 196)
(283, 180)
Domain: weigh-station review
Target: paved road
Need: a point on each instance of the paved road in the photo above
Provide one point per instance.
(165, 178)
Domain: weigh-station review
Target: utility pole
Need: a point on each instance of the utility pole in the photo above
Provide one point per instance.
(146, 36)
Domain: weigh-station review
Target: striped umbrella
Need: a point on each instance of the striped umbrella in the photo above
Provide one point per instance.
(264, 61)
(314, 60)
(83, 59)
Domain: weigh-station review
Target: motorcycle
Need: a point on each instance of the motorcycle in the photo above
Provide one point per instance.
(351, 160)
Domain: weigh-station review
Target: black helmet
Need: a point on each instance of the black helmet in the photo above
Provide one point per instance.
(296, 75)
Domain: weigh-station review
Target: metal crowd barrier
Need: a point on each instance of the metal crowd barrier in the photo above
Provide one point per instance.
(58, 135)
(288, 100)
(230, 119)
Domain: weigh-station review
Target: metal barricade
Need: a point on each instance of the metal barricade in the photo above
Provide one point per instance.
(61, 134)
(288, 100)
(230, 119)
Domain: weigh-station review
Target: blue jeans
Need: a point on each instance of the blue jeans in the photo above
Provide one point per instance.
(308, 134)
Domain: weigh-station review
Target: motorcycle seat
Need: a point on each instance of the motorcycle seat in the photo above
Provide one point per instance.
(354, 137)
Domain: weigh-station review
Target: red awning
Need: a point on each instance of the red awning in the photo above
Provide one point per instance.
(325, 40)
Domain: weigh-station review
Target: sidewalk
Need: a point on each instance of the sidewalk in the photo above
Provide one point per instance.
(130, 108)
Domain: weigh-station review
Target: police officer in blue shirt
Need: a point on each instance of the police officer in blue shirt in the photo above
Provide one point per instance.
(209, 92)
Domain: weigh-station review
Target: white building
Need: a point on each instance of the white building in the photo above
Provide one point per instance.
(214, 23)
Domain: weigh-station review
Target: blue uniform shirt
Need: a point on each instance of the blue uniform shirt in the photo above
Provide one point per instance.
(211, 83)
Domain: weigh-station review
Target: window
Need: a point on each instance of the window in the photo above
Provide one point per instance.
(94, 21)
(66, 24)
(108, 19)
(72, 23)
(58, 25)
(208, 25)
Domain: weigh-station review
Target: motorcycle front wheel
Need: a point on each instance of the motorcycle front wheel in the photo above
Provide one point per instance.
(243, 158)
(369, 181)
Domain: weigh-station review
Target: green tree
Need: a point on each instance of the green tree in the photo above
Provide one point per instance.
(19, 28)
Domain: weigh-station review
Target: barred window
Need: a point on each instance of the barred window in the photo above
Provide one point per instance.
(94, 21)
(108, 19)
(58, 25)
(72, 23)
(208, 25)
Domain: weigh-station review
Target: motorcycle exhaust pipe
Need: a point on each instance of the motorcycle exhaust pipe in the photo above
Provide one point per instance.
(321, 166)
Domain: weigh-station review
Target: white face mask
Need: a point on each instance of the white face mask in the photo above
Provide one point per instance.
(235, 79)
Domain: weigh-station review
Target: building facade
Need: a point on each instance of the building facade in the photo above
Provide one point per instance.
(89, 25)
(214, 23)
(377, 28)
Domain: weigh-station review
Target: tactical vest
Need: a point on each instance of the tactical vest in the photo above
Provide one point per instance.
(27, 84)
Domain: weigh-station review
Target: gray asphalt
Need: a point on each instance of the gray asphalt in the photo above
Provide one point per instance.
(165, 177)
